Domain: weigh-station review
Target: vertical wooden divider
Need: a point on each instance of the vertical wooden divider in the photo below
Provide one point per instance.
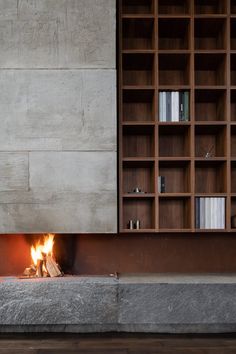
(228, 118)
(192, 118)
(120, 115)
(156, 115)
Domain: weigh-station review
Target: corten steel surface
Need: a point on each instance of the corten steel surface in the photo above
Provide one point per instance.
(104, 254)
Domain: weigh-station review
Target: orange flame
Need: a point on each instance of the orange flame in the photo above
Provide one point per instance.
(39, 249)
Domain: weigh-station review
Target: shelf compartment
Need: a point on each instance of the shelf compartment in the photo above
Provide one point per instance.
(139, 209)
(173, 33)
(138, 33)
(177, 176)
(210, 105)
(233, 7)
(173, 7)
(210, 69)
(138, 141)
(233, 211)
(210, 141)
(233, 177)
(174, 141)
(233, 33)
(174, 69)
(139, 174)
(210, 176)
(233, 69)
(138, 105)
(137, 7)
(210, 33)
(205, 7)
(174, 213)
(233, 141)
(233, 105)
(138, 69)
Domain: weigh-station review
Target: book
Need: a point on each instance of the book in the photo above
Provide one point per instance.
(161, 184)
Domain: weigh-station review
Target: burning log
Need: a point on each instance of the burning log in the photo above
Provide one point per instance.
(39, 272)
(44, 262)
(52, 267)
(30, 272)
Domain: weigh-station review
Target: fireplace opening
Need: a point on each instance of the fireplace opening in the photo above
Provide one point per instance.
(43, 257)
(36, 256)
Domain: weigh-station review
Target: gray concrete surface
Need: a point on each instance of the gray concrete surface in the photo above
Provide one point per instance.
(58, 116)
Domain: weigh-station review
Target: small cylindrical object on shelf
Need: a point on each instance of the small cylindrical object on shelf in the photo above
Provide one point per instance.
(131, 224)
(137, 224)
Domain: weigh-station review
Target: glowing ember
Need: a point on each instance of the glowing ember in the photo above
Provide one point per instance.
(44, 264)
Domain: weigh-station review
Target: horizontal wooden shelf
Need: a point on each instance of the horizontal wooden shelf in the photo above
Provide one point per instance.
(138, 87)
(174, 87)
(138, 51)
(138, 159)
(141, 16)
(210, 195)
(211, 230)
(211, 159)
(174, 195)
(138, 123)
(173, 16)
(139, 195)
(210, 15)
(174, 123)
(213, 122)
(174, 51)
(211, 87)
(174, 158)
(138, 231)
(207, 51)
(174, 230)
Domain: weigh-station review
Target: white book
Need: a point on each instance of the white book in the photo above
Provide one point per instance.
(217, 206)
(218, 213)
(213, 210)
(202, 213)
(161, 106)
(164, 107)
(222, 213)
(211, 202)
(175, 106)
(207, 213)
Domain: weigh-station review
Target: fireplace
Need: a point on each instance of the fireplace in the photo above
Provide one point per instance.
(16, 253)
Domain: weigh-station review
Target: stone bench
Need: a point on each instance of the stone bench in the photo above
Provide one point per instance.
(132, 303)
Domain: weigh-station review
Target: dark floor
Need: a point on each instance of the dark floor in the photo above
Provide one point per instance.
(117, 344)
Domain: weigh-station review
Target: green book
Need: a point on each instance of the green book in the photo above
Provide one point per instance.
(186, 106)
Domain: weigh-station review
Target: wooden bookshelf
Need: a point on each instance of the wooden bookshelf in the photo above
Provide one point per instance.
(184, 46)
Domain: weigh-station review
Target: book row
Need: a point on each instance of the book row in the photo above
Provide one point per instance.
(210, 213)
(173, 106)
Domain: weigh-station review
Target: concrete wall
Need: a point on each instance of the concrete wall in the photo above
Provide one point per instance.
(57, 116)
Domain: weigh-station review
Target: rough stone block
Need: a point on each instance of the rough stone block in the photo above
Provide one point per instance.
(177, 304)
(14, 172)
(58, 110)
(57, 33)
(60, 301)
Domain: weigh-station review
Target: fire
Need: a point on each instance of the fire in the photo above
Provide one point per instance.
(44, 262)
(40, 250)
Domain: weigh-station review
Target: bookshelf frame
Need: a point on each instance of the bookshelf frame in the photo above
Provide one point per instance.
(152, 58)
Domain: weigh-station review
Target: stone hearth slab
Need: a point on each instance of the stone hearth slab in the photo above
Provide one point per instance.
(141, 303)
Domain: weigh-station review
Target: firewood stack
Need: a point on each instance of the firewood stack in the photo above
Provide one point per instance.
(44, 264)
(45, 268)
